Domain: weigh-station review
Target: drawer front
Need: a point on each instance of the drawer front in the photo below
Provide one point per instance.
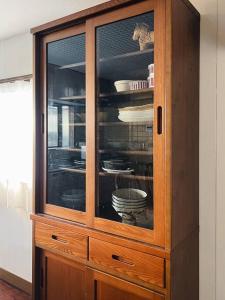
(61, 241)
(134, 264)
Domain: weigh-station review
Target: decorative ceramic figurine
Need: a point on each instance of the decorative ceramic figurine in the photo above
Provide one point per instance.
(145, 36)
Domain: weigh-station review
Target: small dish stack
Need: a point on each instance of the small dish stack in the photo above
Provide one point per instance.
(128, 203)
(74, 198)
(142, 113)
(151, 76)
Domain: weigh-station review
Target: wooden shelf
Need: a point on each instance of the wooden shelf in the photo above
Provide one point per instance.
(127, 93)
(125, 55)
(107, 59)
(108, 124)
(66, 102)
(128, 152)
(79, 97)
(132, 177)
(77, 124)
(74, 170)
(66, 149)
(70, 66)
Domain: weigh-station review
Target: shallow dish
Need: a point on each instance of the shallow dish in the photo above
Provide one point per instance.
(116, 164)
(113, 171)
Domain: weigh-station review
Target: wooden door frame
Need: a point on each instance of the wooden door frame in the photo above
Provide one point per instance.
(157, 235)
(50, 209)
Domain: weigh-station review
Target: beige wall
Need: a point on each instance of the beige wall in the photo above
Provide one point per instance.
(212, 149)
(208, 127)
(212, 139)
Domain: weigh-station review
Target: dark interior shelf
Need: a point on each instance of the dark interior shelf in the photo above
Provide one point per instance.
(73, 102)
(125, 55)
(133, 92)
(66, 149)
(71, 66)
(80, 97)
(128, 152)
(132, 177)
(109, 124)
(74, 170)
(107, 59)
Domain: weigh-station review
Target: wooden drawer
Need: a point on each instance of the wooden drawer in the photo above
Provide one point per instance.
(134, 264)
(61, 241)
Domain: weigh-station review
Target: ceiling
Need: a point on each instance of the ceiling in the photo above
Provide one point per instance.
(17, 17)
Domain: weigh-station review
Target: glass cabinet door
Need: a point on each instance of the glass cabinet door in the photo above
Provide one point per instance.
(66, 138)
(125, 118)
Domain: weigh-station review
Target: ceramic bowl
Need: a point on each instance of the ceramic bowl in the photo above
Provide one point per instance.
(129, 195)
(122, 85)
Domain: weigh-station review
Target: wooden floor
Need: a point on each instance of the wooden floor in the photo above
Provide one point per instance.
(7, 292)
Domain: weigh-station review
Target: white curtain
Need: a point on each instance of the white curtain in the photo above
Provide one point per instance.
(16, 133)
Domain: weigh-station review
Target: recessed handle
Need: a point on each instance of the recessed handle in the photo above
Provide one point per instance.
(159, 120)
(59, 239)
(122, 259)
(42, 123)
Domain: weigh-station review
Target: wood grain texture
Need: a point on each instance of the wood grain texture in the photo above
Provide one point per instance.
(139, 266)
(61, 241)
(90, 122)
(8, 292)
(64, 280)
(103, 286)
(118, 240)
(16, 281)
(185, 122)
(185, 269)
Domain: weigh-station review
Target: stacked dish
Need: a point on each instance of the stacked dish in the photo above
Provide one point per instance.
(142, 113)
(128, 203)
(74, 198)
(79, 164)
(117, 166)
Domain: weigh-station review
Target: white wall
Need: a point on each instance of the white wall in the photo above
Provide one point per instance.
(16, 56)
(212, 143)
(16, 243)
(15, 224)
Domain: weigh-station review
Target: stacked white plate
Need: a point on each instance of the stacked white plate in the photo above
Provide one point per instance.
(74, 198)
(142, 113)
(128, 203)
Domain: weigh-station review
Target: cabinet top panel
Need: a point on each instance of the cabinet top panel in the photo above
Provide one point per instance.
(93, 11)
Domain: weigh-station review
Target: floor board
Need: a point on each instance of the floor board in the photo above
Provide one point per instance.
(7, 292)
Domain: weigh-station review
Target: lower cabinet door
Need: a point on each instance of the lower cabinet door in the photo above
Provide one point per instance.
(102, 286)
(63, 279)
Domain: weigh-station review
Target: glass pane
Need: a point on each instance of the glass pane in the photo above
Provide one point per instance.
(66, 123)
(125, 83)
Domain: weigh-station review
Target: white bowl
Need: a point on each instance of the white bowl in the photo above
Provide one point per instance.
(128, 206)
(122, 85)
(129, 195)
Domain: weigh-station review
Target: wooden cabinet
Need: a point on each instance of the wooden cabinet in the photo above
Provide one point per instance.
(63, 279)
(116, 161)
(102, 287)
(128, 262)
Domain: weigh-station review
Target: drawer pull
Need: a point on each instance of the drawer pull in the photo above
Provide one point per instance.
(122, 260)
(58, 239)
